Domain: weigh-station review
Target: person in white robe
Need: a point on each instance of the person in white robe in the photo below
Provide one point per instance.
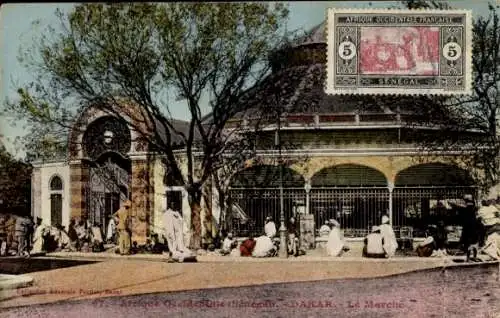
(325, 229)
(38, 240)
(270, 228)
(64, 241)
(228, 244)
(111, 230)
(335, 244)
(492, 246)
(173, 225)
(96, 235)
(264, 247)
(390, 242)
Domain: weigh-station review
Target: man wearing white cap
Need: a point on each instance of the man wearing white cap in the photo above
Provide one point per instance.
(335, 244)
(325, 229)
(374, 244)
(270, 228)
(390, 242)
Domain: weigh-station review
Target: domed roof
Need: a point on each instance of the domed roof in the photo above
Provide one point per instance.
(316, 35)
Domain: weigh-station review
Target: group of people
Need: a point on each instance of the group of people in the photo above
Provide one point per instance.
(480, 232)
(381, 242)
(335, 245)
(16, 234)
(21, 236)
(265, 245)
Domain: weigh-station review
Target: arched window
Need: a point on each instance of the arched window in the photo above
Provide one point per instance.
(56, 184)
(56, 187)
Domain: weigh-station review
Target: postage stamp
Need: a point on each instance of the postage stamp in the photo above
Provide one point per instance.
(406, 52)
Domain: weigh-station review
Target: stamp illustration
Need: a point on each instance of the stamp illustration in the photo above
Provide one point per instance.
(408, 52)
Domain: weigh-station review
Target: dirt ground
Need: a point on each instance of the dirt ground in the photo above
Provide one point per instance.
(465, 291)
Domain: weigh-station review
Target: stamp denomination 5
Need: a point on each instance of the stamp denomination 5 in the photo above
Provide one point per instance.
(399, 52)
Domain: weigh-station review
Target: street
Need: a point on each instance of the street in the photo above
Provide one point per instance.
(462, 291)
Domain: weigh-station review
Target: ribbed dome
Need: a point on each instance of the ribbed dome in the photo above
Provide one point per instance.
(307, 49)
(314, 36)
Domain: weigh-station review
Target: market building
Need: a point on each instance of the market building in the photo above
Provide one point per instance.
(349, 158)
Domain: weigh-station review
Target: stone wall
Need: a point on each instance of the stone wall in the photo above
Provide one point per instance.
(142, 198)
(79, 177)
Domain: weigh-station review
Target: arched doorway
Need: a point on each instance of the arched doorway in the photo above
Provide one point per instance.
(426, 193)
(106, 143)
(354, 195)
(109, 186)
(254, 194)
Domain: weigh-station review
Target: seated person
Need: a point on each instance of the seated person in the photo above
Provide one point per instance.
(246, 248)
(159, 247)
(335, 245)
(96, 238)
(64, 243)
(374, 244)
(427, 247)
(228, 244)
(264, 247)
(440, 236)
(134, 249)
(492, 246)
(325, 229)
(82, 234)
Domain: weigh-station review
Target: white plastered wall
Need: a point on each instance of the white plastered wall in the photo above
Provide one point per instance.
(160, 204)
(41, 182)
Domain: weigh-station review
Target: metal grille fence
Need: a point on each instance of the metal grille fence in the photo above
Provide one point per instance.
(419, 206)
(355, 208)
(250, 207)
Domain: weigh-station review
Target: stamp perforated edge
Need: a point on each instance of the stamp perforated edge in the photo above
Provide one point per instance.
(397, 91)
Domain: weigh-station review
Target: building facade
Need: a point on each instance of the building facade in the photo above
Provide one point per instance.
(345, 157)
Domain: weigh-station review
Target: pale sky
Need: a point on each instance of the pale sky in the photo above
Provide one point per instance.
(17, 31)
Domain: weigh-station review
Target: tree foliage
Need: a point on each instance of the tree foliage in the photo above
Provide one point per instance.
(146, 54)
(15, 184)
(469, 124)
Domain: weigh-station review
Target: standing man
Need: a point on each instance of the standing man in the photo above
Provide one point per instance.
(292, 237)
(21, 233)
(173, 224)
(10, 227)
(123, 227)
(38, 240)
(111, 230)
(470, 226)
(30, 230)
(3, 236)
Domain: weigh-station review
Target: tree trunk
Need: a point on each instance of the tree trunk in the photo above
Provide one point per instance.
(195, 204)
(223, 214)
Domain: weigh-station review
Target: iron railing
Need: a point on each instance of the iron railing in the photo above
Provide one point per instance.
(357, 209)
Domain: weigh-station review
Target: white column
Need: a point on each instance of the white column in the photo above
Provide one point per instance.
(390, 186)
(307, 187)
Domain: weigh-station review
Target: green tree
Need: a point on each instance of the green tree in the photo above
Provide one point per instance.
(142, 53)
(15, 184)
(469, 124)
